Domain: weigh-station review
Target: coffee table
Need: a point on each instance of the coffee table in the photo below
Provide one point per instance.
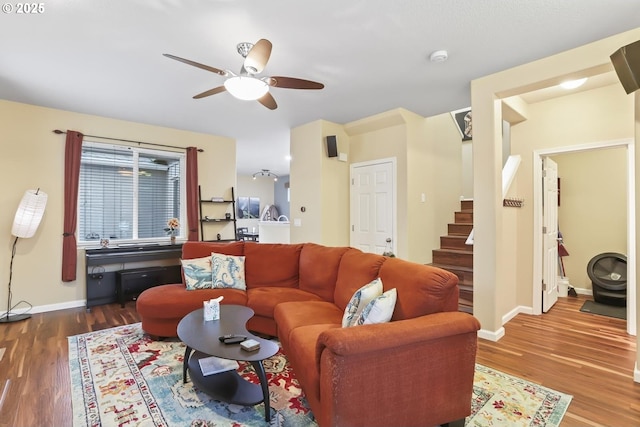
(202, 337)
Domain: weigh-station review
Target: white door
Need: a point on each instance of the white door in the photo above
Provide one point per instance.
(372, 206)
(550, 233)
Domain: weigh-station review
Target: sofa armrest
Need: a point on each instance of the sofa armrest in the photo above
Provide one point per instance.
(367, 338)
(410, 372)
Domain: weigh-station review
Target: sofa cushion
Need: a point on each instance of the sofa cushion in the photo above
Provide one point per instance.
(272, 264)
(227, 271)
(379, 310)
(303, 357)
(292, 315)
(361, 299)
(201, 249)
(264, 300)
(422, 289)
(174, 301)
(356, 269)
(197, 273)
(319, 269)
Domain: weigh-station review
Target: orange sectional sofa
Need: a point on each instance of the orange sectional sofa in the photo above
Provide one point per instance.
(416, 370)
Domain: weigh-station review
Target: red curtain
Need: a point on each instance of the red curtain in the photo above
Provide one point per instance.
(72, 154)
(192, 192)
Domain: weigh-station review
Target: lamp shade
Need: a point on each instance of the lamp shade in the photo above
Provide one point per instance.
(246, 88)
(29, 213)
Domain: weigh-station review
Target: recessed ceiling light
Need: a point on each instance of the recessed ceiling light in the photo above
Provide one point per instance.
(572, 84)
(439, 56)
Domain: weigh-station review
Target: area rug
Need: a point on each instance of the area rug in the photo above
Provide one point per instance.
(604, 309)
(121, 377)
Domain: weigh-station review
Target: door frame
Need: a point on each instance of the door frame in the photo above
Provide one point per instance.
(628, 143)
(550, 234)
(394, 197)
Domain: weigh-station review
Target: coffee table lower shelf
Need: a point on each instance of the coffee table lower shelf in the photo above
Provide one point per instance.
(227, 386)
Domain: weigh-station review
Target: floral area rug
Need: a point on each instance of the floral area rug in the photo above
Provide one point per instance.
(121, 377)
(500, 399)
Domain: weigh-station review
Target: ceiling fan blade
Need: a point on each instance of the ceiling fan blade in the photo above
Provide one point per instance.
(210, 92)
(197, 64)
(268, 101)
(293, 83)
(258, 57)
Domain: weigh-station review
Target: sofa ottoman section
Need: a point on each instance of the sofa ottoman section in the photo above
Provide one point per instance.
(162, 307)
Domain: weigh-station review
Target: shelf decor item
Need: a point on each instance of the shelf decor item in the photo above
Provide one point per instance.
(172, 229)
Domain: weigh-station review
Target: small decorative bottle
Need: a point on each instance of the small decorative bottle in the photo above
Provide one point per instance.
(387, 249)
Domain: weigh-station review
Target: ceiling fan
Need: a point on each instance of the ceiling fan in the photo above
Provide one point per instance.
(246, 85)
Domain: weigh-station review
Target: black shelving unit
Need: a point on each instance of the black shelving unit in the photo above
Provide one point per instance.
(206, 220)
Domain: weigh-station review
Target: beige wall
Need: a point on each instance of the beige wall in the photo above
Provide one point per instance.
(592, 215)
(261, 187)
(427, 154)
(34, 157)
(491, 276)
(605, 114)
(335, 189)
(381, 143)
(320, 185)
(442, 177)
(305, 178)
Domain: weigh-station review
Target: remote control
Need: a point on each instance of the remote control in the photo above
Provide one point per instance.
(235, 340)
(223, 338)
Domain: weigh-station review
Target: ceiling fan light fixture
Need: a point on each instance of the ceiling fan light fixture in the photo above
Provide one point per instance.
(246, 88)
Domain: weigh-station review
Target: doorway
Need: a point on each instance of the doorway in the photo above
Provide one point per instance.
(538, 218)
(373, 206)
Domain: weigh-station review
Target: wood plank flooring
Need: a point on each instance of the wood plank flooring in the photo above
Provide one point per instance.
(588, 356)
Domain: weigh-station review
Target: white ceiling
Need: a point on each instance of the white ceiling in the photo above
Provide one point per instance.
(104, 57)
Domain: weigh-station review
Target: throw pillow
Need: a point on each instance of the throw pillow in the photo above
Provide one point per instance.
(380, 309)
(359, 301)
(227, 271)
(197, 273)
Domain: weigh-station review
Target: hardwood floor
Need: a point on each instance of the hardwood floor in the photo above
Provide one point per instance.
(34, 371)
(588, 356)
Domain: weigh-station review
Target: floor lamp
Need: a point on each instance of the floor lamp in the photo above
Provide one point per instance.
(25, 224)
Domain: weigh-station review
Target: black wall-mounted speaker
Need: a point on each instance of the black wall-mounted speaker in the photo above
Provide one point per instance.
(626, 62)
(332, 146)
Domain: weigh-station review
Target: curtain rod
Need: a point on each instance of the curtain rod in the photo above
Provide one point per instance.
(58, 131)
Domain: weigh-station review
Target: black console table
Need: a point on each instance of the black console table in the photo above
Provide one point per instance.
(104, 287)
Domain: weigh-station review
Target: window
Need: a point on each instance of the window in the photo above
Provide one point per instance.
(128, 193)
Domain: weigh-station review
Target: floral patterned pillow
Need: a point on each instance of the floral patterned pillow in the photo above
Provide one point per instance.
(227, 271)
(380, 309)
(359, 301)
(197, 273)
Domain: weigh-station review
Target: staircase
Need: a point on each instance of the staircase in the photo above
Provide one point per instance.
(457, 257)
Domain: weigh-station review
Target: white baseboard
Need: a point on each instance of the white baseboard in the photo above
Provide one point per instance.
(496, 335)
(636, 374)
(491, 335)
(513, 313)
(48, 307)
(584, 291)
